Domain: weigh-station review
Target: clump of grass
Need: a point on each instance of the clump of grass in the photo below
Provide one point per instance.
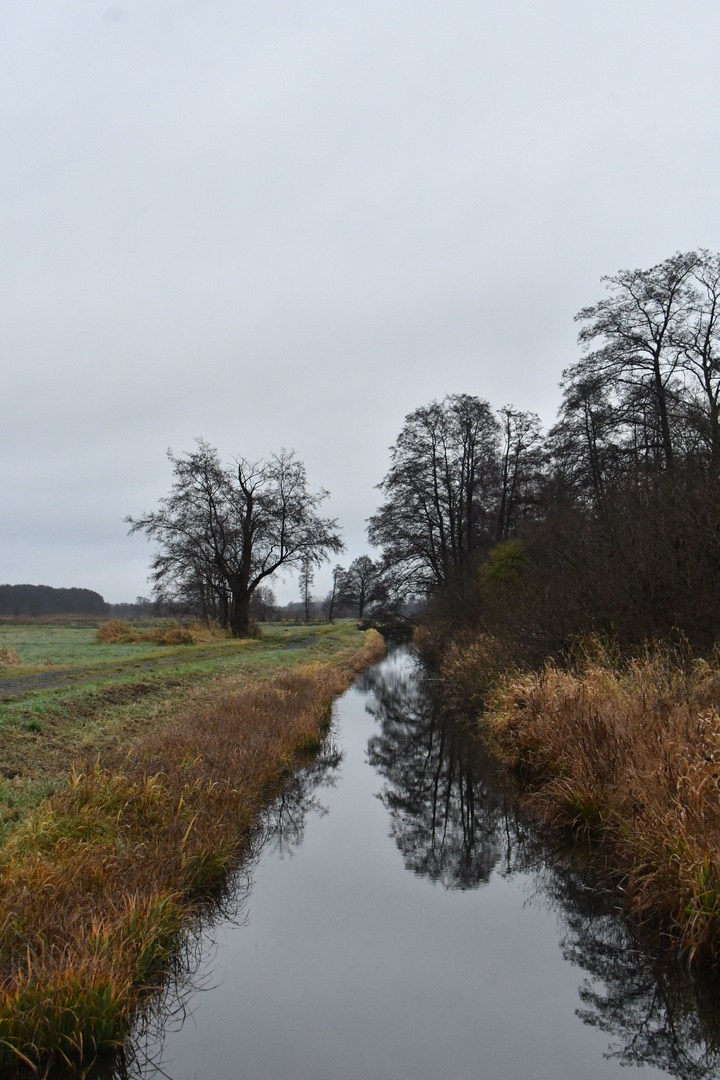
(98, 883)
(8, 656)
(121, 632)
(472, 668)
(627, 755)
(115, 632)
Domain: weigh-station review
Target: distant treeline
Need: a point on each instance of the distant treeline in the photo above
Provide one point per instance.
(45, 600)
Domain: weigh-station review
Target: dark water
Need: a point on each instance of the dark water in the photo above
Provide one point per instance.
(399, 922)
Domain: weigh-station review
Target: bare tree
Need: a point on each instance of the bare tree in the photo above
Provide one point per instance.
(638, 328)
(333, 597)
(521, 469)
(361, 584)
(698, 347)
(440, 492)
(223, 530)
(584, 445)
(307, 577)
(263, 603)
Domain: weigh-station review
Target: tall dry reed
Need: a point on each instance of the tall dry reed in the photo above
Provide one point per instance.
(627, 755)
(8, 656)
(96, 887)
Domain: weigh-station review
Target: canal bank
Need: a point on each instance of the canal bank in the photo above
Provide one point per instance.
(100, 882)
(400, 920)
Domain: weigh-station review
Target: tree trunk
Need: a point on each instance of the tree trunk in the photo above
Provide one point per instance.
(240, 624)
(664, 420)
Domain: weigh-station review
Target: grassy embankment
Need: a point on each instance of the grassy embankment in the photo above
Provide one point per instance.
(626, 755)
(102, 867)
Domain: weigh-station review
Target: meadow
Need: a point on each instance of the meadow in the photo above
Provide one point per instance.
(33, 646)
(120, 691)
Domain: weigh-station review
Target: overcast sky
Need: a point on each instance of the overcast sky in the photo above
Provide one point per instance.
(290, 222)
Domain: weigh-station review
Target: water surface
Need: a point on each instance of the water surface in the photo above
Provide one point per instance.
(400, 922)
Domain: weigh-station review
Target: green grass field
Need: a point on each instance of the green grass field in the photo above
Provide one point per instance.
(59, 645)
(44, 646)
(121, 692)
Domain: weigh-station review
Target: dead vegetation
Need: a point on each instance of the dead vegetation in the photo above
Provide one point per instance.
(121, 632)
(8, 657)
(98, 883)
(627, 756)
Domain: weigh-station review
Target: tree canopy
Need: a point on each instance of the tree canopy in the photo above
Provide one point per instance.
(459, 479)
(224, 529)
(46, 600)
(439, 491)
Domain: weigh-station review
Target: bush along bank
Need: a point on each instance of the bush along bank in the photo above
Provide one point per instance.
(99, 883)
(625, 754)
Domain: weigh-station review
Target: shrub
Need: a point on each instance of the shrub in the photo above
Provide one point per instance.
(175, 634)
(115, 632)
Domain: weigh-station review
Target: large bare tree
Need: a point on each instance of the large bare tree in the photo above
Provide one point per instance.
(635, 332)
(698, 349)
(441, 491)
(362, 585)
(222, 530)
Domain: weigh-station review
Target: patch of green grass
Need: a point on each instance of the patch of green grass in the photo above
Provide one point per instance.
(42, 645)
(44, 731)
(46, 646)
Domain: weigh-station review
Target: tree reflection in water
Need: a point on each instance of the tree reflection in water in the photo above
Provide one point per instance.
(454, 824)
(282, 827)
(656, 1014)
(448, 815)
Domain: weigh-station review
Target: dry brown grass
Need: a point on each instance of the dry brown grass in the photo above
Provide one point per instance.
(8, 657)
(628, 755)
(97, 885)
(471, 667)
(121, 632)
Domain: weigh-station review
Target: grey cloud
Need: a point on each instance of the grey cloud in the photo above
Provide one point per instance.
(278, 224)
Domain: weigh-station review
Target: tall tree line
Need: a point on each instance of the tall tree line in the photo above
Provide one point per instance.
(611, 519)
(16, 600)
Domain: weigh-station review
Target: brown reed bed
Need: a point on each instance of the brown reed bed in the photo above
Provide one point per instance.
(8, 657)
(626, 755)
(97, 885)
(121, 632)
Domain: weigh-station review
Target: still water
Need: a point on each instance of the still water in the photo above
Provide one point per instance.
(398, 921)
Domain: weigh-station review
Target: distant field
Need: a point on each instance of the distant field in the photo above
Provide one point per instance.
(53, 643)
(118, 692)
